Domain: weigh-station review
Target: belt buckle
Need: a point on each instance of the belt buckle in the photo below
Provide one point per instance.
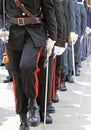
(21, 22)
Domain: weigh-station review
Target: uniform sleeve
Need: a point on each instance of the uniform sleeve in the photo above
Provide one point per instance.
(60, 22)
(71, 8)
(66, 19)
(49, 18)
(1, 7)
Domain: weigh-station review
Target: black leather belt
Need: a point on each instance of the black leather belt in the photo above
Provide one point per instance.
(25, 21)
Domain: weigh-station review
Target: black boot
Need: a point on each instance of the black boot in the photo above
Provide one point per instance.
(69, 77)
(55, 99)
(63, 86)
(48, 118)
(50, 108)
(8, 79)
(34, 116)
(23, 120)
(77, 71)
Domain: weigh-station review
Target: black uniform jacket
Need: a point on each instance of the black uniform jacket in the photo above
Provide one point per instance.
(37, 32)
(61, 28)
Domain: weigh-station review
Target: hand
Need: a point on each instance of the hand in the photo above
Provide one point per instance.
(73, 37)
(76, 37)
(4, 34)
(49, 45)
(88, 30)
(59, 50)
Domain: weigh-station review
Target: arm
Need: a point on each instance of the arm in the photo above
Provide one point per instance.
(49, 18)
(72, 15)
(71, 8)
(48, 11)
(1, 7)
(60, 22)
(59, 47)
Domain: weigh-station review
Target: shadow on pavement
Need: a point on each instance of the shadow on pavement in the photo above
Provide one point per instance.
(5, 113)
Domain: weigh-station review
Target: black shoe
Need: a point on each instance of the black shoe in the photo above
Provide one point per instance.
(83, 59)
(24, 126)
(55, 99)
(23, 120)
(70, 79)
(77, 72)
(8, 79)
(51, 108)
(63, 87)
(1, 64)
(63, 78)
(79, 65)
(34, 116)
(48, 118)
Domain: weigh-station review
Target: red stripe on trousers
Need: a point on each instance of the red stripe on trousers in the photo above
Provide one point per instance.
(53, 89)
(14, 89)
(36, 71)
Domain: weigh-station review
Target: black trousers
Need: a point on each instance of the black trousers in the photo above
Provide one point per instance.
(24, 65)
(81, 23)
(42, 82)
(77, 50)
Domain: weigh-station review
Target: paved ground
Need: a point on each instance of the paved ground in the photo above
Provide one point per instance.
(73, 112)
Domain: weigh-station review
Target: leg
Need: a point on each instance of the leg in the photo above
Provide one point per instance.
(64, 70)
(69, 77)
(42, 86)
(77, 52)
(21, 101)
(29, 70)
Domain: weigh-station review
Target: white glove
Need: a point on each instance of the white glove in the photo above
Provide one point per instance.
(88, 30)
(76, 37)
(49, 45)
(4, 34)
(59, 50)
(73, 37)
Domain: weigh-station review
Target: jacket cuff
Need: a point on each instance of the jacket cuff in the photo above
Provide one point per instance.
(52, 34)
(60, 43)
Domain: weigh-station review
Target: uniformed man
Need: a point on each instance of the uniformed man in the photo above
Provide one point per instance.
(81, 22)
(60, 46)
(66, 58)
(61, 36)
(27, 38)
(63, 58)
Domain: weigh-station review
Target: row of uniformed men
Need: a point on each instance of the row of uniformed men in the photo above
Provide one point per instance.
(26, 48)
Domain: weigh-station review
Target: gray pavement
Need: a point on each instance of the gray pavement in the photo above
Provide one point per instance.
(73, 112)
